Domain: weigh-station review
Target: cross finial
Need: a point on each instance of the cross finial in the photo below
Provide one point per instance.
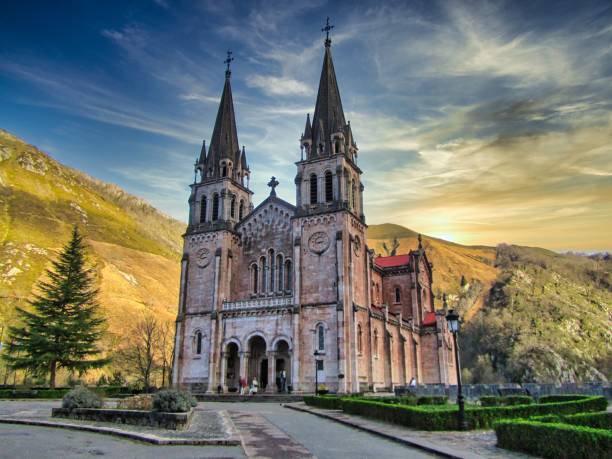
(227, 62)
(326, 29)
(273, 183)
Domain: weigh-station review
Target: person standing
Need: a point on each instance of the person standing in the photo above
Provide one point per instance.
(283, 381)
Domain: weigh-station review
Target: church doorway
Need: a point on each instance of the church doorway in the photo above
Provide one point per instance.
(283, 363)
(232, 366)
(258, 362)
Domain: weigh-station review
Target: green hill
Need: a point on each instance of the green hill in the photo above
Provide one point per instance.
(530, 314)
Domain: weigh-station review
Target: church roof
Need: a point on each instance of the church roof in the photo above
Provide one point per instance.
(392, 261)
(328, 115)
(224, 142)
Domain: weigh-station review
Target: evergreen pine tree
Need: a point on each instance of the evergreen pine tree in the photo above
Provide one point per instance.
(63, 328)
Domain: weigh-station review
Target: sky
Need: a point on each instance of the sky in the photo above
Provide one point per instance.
(477, 122)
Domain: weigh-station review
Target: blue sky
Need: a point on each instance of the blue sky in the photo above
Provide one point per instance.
(479, 122)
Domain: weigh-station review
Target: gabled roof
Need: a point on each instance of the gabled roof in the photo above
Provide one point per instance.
(392, 261)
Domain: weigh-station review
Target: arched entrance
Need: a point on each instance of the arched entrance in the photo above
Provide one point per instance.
(282, 363)
(258, 362)
(232, 366)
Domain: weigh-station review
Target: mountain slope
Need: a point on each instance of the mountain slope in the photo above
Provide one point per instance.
(134, 248)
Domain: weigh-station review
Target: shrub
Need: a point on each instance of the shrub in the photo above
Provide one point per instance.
(81, 397)
(173, 401)
(327, 402)
(432, 400)
(562, 398)
(113, 391)
(40, 393)
(489, 400)
(509, 400)
(601, 420)
(403, 400)
(137, 402)
(553, 440)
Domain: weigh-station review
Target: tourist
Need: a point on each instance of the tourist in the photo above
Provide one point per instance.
(254, 386)
(413, 383)
(283, 380)
(243, 385)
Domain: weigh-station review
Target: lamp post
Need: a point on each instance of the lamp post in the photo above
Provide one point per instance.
(316, 354)
(453, 324)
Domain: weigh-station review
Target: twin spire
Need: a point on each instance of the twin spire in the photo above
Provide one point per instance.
(328, 134)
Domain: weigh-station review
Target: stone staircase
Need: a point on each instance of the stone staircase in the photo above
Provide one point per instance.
(258, 398)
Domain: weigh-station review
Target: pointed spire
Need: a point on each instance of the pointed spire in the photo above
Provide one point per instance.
(308, 128)
(202, 158)
(243, 161)
(328, 113)
(224, 142)
(420, 242)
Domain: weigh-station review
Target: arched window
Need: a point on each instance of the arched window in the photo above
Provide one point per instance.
(313, 189)
(241, 210)
(398, 297)
(337, 146)
(215, 207)
(359, 339)
(223, 170)
(279, 273)
(288, 275)
(198, 342)
(203, 205)
(375, 343)
(233, 207)
(255, 278)
(329, 187)
(353, 194)
(263, 267)
(320, 337)
(272, 270)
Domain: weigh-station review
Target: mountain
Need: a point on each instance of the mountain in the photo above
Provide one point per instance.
(529, 313)
(134, 248)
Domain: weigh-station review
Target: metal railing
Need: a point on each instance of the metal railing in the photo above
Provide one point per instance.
(258, 303)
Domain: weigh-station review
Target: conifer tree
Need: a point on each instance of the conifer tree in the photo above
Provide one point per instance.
(63, 327)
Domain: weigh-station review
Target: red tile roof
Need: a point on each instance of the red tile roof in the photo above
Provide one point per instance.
(429, 319)
(391, 262)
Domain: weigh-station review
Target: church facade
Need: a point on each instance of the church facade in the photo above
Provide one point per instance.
(294, 287)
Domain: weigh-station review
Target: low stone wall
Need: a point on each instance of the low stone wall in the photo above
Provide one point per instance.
(475, 391)
(173, 421)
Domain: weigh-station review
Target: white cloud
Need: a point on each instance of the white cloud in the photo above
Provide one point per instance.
(279, 86)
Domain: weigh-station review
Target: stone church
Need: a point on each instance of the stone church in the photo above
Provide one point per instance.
(295, 287)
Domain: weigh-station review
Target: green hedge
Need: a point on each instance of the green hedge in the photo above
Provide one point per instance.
(554, 441)
(508, 400)
(601, 420)
(562, 398)
(40, 393)
(445, 417)
(432, 400)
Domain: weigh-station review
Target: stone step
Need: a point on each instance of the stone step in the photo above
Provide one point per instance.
(259, 398)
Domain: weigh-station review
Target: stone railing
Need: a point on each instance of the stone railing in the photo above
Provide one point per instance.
(258, 303)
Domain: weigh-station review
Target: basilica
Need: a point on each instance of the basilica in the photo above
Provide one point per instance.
(294, 288)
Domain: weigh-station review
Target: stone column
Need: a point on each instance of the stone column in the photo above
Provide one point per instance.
(244, 361)
(340, 325)
(223, 370)
(271, 372)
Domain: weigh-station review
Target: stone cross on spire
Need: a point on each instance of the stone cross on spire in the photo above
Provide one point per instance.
(326, 29)
(227, 61)
(273, 183)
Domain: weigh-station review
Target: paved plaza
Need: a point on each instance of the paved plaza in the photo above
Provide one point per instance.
(267, 430)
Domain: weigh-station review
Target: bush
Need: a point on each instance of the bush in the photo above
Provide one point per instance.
(402, 400)
(81, 397)
(113, 391)
(39, 393)
(510, 400)
(602, 420)
(554, 441)
(562, 398)
(489, 400)
(326, 402)
(432, 400)
(173, 401)
(137, 402)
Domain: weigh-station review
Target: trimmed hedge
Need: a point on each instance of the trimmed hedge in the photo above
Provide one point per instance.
(508, 400)
(489, 400)
(561, 398)
(553, 440)
(445, 417)
(327, 402)
(40, 393)
(601, 420)
(432, 400)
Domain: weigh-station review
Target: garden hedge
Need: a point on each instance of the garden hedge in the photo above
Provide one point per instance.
(39, 393)
(508, 400)
(561, 398)
(445, 417)
(554, 440)
(601, 420)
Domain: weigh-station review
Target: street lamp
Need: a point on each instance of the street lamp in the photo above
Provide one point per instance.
(452, 319)
(316, 354)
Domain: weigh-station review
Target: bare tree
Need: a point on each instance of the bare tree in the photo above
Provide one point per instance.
(142, 351)
(391, 251)
(166, 343)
